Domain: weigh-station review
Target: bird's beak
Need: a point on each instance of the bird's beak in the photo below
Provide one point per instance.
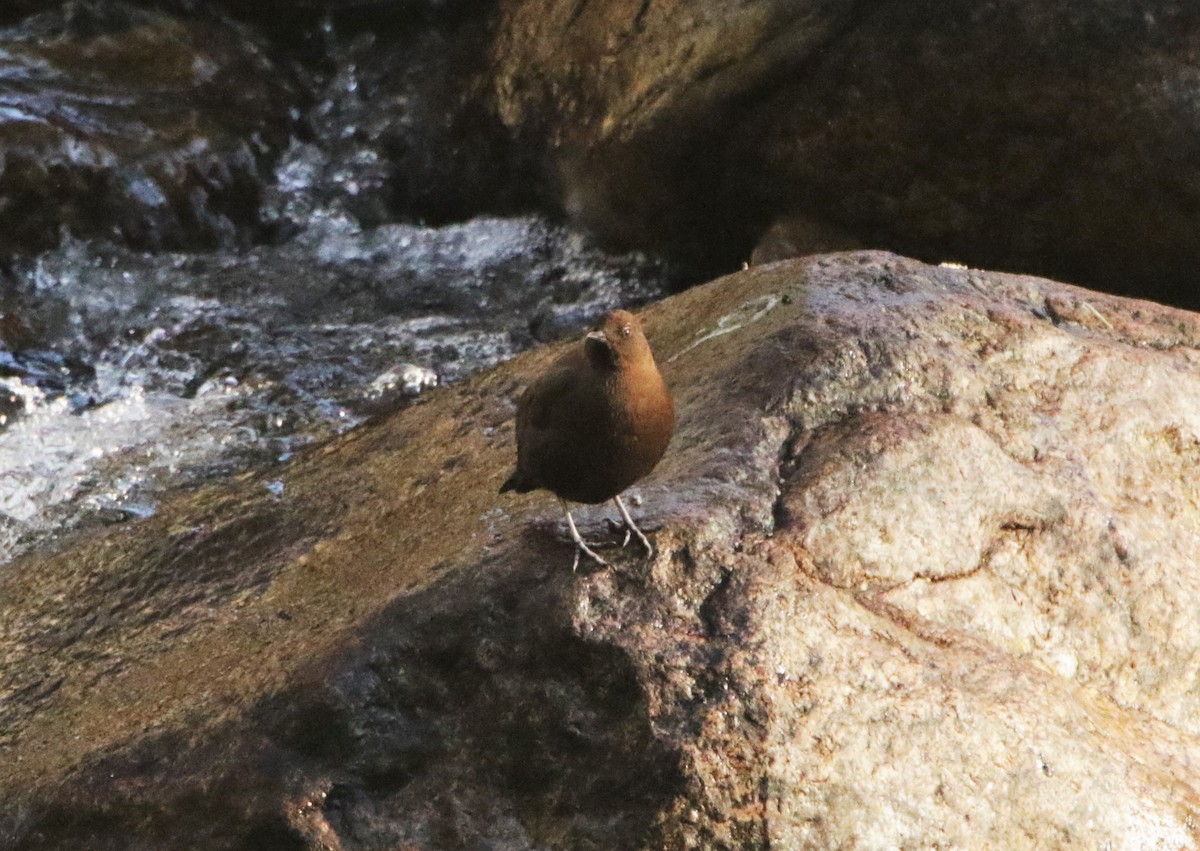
(597, 337)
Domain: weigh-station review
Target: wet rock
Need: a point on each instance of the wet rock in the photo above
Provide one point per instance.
(12, 403)
(925, 576)
(135, 125)
(49, 371)
(15, 330)
(18, 9)
(392, 388)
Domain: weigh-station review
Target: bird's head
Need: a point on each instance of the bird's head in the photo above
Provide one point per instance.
(617, 340)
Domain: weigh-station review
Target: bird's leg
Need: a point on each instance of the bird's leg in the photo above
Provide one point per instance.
(580, 546)
(629, 527)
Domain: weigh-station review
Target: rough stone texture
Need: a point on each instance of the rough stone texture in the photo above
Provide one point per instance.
(926, 578)
(152, 129)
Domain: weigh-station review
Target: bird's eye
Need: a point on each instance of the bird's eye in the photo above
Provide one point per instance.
(626, 330)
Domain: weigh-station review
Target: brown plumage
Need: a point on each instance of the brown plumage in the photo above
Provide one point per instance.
(598, 420)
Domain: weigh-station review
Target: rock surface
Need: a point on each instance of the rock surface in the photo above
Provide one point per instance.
(1052, 138)
(636, 105)
(925, 578)
(1055, 138)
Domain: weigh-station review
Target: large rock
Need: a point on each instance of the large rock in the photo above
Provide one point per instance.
(636, 105)
(1058, 138)
(1053, 138)
(925, 577)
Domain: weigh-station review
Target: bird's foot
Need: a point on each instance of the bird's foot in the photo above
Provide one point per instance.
(631, 528)
(581, 547)
(643, 539)
(614, 527)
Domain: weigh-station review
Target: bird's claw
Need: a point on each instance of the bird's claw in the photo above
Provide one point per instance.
(581, 547)
(614, 527)
(631, 528)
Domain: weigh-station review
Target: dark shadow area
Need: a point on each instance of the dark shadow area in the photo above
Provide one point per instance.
(462, 714)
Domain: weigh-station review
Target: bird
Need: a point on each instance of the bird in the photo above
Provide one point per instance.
(597, 421)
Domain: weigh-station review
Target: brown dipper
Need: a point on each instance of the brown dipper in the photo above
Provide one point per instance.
(594, 423)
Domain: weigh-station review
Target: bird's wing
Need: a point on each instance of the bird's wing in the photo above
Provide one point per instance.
(549, 399)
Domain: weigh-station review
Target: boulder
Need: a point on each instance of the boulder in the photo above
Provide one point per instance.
(1050, 138)
(636, 107)
(1054, 138)
(924, 577)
